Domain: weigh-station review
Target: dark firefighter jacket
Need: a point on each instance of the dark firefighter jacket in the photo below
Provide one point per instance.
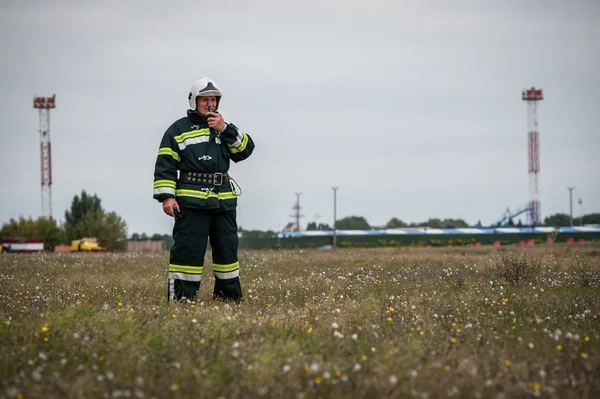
(189, 145)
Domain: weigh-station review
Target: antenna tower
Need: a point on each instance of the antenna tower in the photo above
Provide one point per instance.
(532, 96)
(45, 104)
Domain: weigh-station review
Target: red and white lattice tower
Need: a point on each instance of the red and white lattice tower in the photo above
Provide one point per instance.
(45, 104)
(532, 96)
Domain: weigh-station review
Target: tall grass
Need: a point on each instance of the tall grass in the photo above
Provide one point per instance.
(388, 322)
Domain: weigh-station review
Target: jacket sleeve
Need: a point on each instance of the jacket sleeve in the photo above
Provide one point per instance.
(165, 169)
(240, 144)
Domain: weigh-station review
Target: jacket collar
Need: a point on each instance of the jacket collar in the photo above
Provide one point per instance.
(196, 117)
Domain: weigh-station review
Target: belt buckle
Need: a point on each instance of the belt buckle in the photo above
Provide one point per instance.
(220, 175)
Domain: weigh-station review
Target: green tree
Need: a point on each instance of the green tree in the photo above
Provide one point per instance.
(109, 229)
(114, 232)
(395, 223)
(352, 223)
(311, 226)
(86, 218)
(80, 206)
(558, 219)
(454, 224)
(324, 226)
(434, 223)
(592, 218)
(40, 228)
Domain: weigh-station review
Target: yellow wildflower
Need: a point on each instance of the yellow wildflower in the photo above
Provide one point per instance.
(558, 347)
(453, 340)
(45, 329)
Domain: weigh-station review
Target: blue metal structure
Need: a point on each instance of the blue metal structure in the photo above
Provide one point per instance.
(508, 215)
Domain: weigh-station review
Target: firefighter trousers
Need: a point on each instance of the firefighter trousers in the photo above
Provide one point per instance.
(193, 228)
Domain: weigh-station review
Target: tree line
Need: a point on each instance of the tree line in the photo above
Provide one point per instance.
(360, 223)
(562, 219)
(85, 218)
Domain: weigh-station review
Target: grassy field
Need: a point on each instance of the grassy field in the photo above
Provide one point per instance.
(388, 322)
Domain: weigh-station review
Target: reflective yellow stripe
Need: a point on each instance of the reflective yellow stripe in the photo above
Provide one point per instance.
(193, 133)
(226, 196)
(164, 183)
(195, 194)
(185, 266)
(199, 271)
(226, 268)
(186, 269)
(204, 194)
(168, 151)
(242, 146)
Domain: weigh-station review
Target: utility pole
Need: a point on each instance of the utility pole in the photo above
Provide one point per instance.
(334, 188)
(297, 209)
(580, 202)
(571, 202)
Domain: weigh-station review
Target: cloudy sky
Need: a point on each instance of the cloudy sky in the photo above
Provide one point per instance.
(412, 108)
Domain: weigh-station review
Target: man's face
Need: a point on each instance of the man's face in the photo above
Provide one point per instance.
(205, 102)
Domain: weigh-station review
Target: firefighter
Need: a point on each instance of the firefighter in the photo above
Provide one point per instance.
(202, 197)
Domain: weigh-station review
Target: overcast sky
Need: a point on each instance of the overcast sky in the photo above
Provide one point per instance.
(412, 108)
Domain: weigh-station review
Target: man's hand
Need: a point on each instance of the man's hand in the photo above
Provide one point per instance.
(170, 206)
(216, 121)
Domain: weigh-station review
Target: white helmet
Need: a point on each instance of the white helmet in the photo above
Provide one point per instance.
(204, 87)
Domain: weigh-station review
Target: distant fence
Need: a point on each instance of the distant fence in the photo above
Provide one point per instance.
(422, 237)
(145, 246)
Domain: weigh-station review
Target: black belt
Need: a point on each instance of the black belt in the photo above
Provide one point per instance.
(213, 179)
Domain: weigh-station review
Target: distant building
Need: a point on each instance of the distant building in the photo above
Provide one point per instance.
(145, 246)
(22, 244)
